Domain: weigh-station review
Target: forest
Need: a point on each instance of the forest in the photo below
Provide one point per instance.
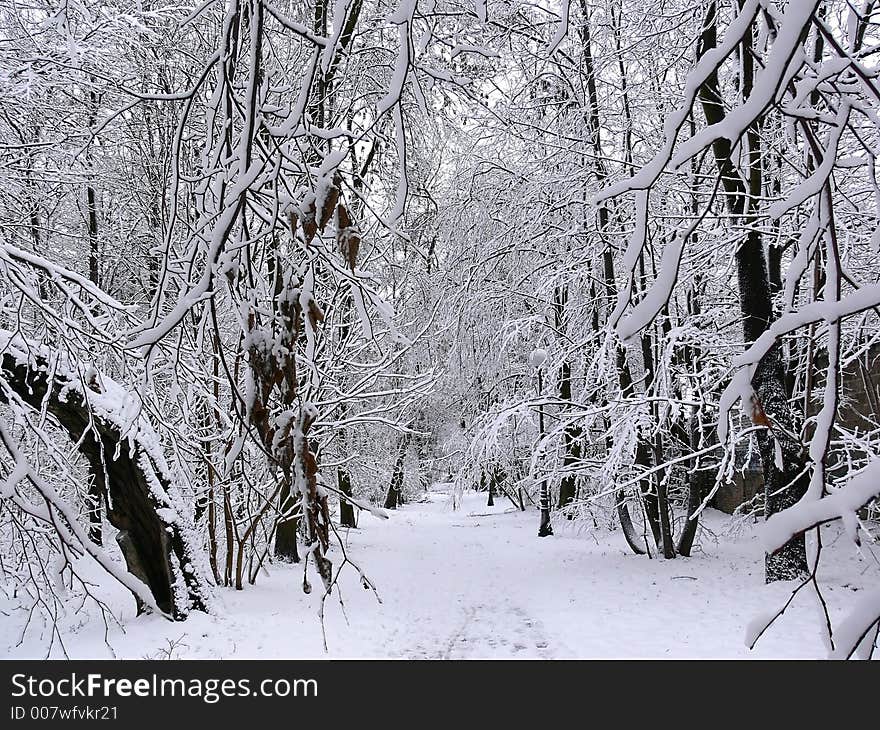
(439, 328)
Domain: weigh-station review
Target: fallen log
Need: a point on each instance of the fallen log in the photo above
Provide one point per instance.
(125, 459)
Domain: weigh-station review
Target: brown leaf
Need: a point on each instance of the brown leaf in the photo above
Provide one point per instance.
(310, 466)
(310, 226)
(343, 220)
(354, 244)
(329, 205)
(347, 239)
(315, 313)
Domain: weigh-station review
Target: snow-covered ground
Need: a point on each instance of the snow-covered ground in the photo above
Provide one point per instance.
(477, 582)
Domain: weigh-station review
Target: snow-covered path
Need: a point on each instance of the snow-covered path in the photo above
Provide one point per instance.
(478, 582)
(453, 593)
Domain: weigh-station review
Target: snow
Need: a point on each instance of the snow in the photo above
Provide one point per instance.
(476, 582)
(480, 8)
(340, 9)
(631, 255)
(402, 182)
(561, 29)
(657, 296)
(537, 358)
(474, 204)
(858, 624)
(403, 18)
(855, 494)
(815, 182)
(801, 260)
(866, 297)
(460, 48)
(146, 339)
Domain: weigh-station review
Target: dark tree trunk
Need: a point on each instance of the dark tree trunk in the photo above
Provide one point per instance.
(695, 496)
(94, 497)
(667, 545)
(633, 539)
(693, 437)
(649, 494)
(784, 484)
(571, 436)
(395, 487)
(545, 528)
(346, 508)
(497, 478)
(287, 529)
(638, 546)
(689, 530)
(92, 206)
(343, 477)
(653, 487)
(571, 441)
(154, 550)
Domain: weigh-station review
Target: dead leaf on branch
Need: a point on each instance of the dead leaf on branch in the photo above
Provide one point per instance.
(347, 238)
(315, 313)
(329, 204)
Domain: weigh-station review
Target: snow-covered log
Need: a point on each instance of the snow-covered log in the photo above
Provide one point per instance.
(123, 452)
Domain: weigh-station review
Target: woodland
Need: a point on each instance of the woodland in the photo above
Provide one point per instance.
(295, 293)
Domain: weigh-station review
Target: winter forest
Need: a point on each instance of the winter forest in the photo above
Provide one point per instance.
(439, 328)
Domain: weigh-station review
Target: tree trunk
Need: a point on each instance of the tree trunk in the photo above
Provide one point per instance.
(649, 494)
(395, 487)
(784, 483)
(667, 545)
(695, 497)
(571, 436)
(155, 551)
(95, 497)
(638, 546)
(346, 508)
(545, 528)
(654, 487)
(287, 529)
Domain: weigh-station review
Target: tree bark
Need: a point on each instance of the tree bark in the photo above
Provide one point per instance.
(637, 545)
(287, 528)
(395, 487)
(571, 436)
(784, 483)
(346, 508)
(155, 551)
(95, 495)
